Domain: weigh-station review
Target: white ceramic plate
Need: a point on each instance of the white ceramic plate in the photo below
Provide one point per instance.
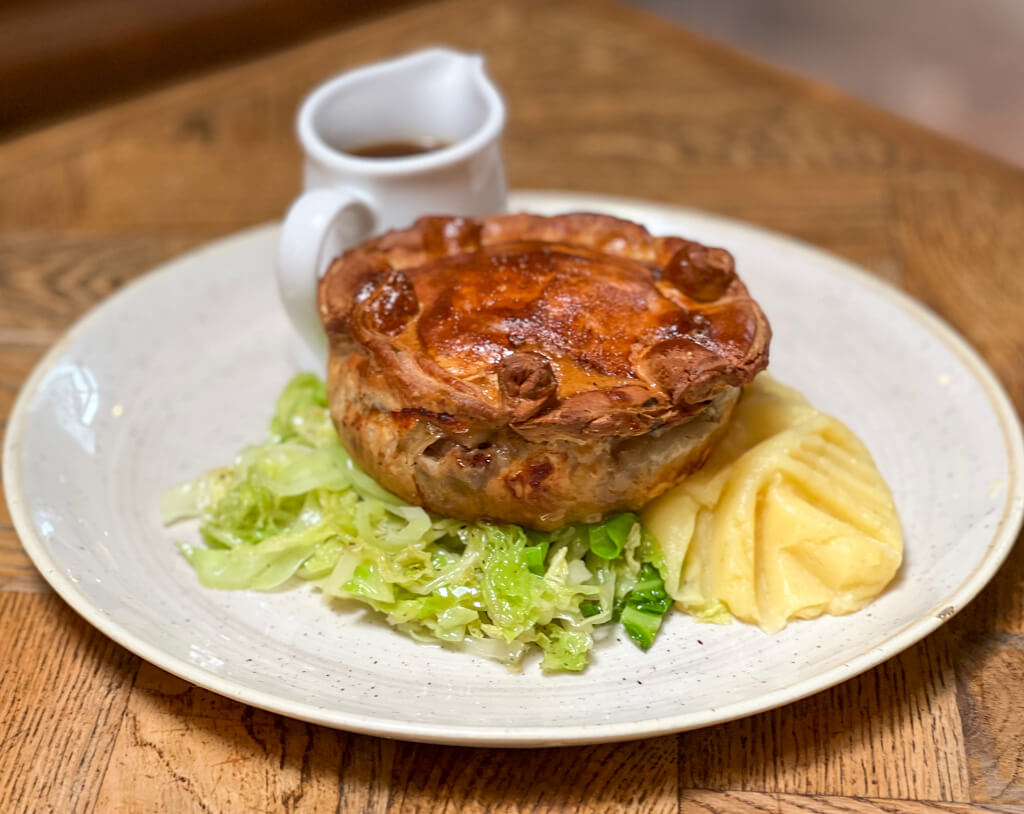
(173, 374)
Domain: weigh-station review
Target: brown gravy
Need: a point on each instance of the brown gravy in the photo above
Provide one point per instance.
(398, 149)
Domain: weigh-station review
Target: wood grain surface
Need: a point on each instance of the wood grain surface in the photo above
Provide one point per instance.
(603, 99)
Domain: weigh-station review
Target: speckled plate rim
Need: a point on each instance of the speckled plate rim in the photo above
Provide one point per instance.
(995, 553)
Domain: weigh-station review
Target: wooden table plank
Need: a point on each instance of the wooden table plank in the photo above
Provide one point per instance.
(64, 690)
(182, 747)
(961, 240)
(601, 99)
(999, 608)
(17, 573)
(636, 776)
(755, 802)
(185, 749)
(50, 280)
(989, 682)
(893, 732)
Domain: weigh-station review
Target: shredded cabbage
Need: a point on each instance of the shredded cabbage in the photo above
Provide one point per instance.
(299, 506)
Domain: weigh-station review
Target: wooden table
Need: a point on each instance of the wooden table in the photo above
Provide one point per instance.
(601, 98)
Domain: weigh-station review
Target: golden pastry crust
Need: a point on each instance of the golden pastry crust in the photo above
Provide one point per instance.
(481, 367)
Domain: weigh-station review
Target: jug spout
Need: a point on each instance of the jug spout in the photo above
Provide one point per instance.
(473, 64)
(470, 62)
(444, 72)
(439, 93)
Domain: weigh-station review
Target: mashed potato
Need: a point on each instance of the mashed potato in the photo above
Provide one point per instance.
(789, 519)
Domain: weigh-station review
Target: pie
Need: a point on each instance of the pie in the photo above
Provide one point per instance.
(535, 370)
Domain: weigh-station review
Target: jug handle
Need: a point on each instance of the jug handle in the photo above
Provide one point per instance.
(319, 226)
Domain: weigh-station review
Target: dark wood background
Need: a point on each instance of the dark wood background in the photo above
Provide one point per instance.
(59, 57)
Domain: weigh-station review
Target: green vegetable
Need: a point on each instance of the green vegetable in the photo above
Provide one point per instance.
(644, 606)
(565, 648)
(298, 506)
(535, 556)
(590, 607)
(608, 539)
